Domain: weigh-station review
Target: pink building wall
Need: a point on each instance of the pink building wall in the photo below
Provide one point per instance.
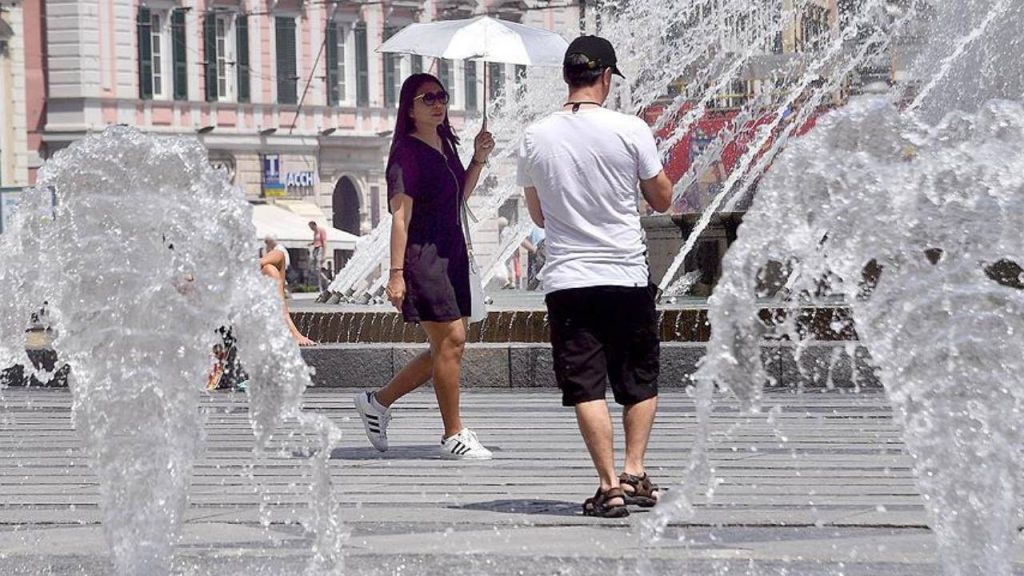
(35, 77)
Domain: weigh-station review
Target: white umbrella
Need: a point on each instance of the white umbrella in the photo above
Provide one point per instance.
(482, 38)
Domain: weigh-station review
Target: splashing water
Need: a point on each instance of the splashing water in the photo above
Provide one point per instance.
(714, 44)
(936, 208)
(148, 251)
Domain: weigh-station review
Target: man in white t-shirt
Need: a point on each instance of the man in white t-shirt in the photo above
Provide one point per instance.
(581, 168)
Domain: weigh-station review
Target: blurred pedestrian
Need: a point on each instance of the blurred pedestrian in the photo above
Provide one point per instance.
(319, 245)
(534, 245)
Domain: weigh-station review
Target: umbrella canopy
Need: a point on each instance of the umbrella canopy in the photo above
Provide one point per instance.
(482, 38)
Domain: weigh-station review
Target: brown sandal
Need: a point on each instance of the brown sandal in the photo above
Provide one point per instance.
(643, 493)
(599, 505)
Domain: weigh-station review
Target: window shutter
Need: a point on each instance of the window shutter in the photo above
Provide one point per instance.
(391, 64)
(332, 64)
(444, 74)
(497, 77)
(144, 23)
(242, 57)
(470, 85)
(286, 67)
(179, 60)
(210, 55)
(362, 66)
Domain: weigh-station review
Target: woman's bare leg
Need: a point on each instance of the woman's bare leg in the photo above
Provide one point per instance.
(447, 343)
(272, 272)
(412, 376)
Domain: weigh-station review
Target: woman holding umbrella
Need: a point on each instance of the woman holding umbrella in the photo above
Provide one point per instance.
(429, 276)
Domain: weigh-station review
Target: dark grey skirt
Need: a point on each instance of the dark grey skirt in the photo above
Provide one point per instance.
(436, 285)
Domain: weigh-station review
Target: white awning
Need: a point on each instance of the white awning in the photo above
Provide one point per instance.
(292, 230)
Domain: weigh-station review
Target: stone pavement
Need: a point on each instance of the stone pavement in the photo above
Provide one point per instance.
(827, 490)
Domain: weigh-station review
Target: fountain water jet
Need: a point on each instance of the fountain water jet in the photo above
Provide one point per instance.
(148, 251)
(713, 43)
(936, 208)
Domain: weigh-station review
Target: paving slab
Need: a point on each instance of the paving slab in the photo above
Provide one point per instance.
(825, 490)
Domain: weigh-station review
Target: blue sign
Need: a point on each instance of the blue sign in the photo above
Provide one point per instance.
(272, 184)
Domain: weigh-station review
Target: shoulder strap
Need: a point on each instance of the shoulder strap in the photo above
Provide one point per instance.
(464, 216)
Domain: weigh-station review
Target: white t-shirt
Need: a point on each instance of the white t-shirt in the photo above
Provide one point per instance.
(586, 168)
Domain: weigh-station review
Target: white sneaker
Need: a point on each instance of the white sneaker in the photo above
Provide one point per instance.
(375, 421)
(464, 446)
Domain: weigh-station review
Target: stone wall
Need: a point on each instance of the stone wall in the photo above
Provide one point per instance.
(815, 366)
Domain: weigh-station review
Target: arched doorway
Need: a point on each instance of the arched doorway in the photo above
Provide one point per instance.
(345, 204)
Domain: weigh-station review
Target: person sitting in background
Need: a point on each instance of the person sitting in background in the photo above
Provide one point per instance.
(534, 245)
(326, 274)
(274, 264)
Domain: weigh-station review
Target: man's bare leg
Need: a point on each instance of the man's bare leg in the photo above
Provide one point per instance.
(596, 427)
(638, 420)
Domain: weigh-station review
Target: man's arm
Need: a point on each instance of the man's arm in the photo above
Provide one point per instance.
(533, 205)
(657, 191)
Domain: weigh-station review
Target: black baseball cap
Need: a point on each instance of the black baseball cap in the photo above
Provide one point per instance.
(598, 51)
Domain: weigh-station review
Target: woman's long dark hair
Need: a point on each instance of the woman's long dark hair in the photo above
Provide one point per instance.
(404, 125)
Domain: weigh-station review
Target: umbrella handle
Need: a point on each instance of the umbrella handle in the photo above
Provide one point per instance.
(484, 125)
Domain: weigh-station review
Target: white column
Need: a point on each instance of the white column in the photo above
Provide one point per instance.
(126, 53)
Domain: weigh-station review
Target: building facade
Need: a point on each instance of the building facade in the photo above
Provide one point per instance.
(14, 149)
(289, 96)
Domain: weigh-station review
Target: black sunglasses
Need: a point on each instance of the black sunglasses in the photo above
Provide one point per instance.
(431, 98)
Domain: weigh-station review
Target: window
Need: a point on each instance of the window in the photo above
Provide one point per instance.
(287, 73)
(520, 80)
(392, 76)
(242, 57)
(445, 74)
(470, 81)
(338, 69)
(496, 72)
(362, 65)
(814, 29)
(179, 56)
(392, 72)
(342, 73)
(156, 61)
(157, 36)
(225, 58)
